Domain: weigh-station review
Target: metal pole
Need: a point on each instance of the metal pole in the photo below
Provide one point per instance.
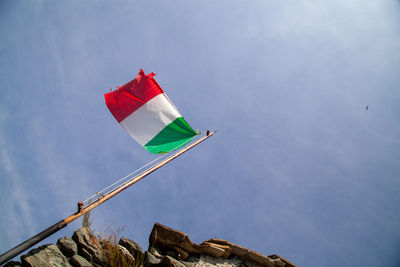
(81, 211)
(133, 180)
(31, 241)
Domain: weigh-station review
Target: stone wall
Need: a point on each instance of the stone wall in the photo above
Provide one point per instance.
(167, 247)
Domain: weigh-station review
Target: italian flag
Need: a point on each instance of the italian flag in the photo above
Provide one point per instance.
(147, 114)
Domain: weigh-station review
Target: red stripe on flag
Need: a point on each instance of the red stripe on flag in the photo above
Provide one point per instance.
(131, 96)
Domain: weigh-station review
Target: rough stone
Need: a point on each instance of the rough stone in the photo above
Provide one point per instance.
(168, 261)
(87, 240)
(150, 259)
(171, 253)
(164, 237)
(67, 246)
(43, 256)
(279, 264)
(13, 264)
(251, 255)
(126, 254)
(167, 247)
(178, 245)
(84, 253)
(182, 254)
(215, 250)
(155, 252)
(285, 262)
(79, 261)
(208, 261)
(134, 249)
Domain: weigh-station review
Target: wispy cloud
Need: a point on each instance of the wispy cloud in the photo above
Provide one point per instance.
(16, 205)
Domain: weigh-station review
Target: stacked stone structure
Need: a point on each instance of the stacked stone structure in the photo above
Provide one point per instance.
(167, 247)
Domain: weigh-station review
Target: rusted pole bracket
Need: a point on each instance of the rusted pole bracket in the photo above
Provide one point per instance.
(80, 206)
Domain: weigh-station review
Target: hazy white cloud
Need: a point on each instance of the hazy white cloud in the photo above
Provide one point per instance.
(16, 206)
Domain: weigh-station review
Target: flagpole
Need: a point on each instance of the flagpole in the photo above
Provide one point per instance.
(82, 210)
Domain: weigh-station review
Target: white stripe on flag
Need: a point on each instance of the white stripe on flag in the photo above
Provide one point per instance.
(147, 121)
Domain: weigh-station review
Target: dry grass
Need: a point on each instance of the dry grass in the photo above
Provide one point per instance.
(86, 220)
(114, 255)
(109, 242)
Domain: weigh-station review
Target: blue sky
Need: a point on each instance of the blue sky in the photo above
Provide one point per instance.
(298, 168)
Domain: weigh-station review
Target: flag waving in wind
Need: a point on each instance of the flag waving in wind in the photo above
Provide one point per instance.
(147, 114)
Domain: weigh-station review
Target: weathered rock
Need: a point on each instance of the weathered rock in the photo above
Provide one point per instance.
(155, 252)
(206, 261)
(46, 255)
(279, 264)
(167, 247)
(251, 255)
(172, 253)
(150, 259)
(216, 250)
(178, 245)
(134, 249)
(87, 240)
(79, 261)
(84, 253)
(168, 261)
(126, 254)
(182, 254)
(13, 264)
(164, 237)
(67, 246)
(286, 262)
(194, 259)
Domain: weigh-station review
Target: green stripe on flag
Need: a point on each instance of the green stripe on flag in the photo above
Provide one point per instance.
(173, 136)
